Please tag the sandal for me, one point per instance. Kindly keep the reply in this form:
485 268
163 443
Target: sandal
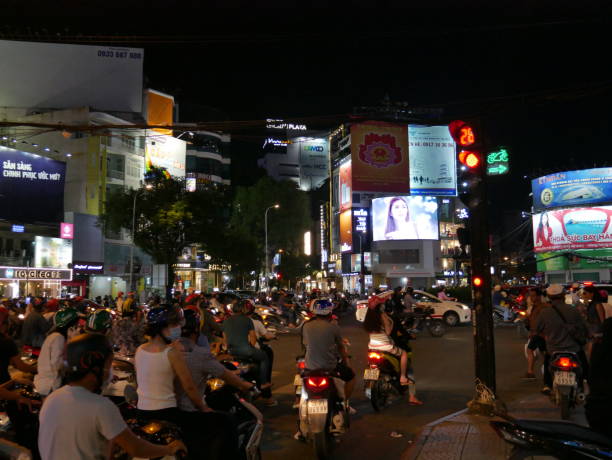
415 403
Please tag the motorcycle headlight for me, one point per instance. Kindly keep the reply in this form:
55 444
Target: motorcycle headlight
152 428
215 384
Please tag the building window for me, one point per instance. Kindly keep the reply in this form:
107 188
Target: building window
115 166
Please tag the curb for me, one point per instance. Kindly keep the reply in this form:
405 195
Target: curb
413 451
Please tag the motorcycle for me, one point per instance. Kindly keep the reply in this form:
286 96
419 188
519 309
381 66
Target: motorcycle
222 397
25 432
382 378
153 431
300 364
567 375
558 439
423 318
124 374
323 411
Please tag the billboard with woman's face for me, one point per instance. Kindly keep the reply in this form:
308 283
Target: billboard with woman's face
405 218
574 228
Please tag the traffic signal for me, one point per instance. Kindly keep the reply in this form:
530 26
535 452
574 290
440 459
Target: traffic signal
471 162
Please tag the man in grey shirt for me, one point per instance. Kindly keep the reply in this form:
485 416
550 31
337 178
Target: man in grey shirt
560 324
324 345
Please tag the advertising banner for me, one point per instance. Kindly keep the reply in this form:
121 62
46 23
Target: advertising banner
361 224
62 76
52 252
159 110
594 259
405 218
574 228
167 153
346 237
31 187
313 159
346 192
379 153
571 188
432 154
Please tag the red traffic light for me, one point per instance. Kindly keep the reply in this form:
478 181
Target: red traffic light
462 133
469 159
477 281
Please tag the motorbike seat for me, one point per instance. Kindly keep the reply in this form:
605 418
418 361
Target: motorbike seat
561 428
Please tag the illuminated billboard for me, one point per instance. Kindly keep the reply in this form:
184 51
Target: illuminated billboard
346 229
379 153
573 228
433 170
345 192
405 218
52 252
31 187
572 188
166 153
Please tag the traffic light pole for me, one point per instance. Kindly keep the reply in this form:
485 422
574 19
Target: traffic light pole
484 401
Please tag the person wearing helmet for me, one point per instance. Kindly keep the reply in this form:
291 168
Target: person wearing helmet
51 359
325 349
158 364
240 339
99 321
261 333
212 434
90 423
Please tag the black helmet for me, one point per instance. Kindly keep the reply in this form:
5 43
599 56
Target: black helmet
192 321
160 317
87 353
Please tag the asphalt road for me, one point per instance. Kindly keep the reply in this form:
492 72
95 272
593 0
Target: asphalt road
444 371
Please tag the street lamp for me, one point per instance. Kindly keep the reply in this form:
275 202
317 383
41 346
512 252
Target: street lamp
276 206
148 187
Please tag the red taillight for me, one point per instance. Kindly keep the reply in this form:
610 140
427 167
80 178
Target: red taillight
519 299
374 356
588 283
565 363
317 383
301 364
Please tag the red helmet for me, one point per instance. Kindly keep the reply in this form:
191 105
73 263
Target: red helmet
377 299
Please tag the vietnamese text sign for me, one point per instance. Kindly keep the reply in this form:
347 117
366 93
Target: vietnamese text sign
574 228
31 187
35 274
379 153
345 192
166 153
433 168
571 188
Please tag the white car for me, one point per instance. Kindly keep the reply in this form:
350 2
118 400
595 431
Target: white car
452 312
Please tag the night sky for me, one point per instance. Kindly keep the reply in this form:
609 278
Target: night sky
537 72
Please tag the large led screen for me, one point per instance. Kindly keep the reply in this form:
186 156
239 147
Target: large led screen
574 228
405 218
31 187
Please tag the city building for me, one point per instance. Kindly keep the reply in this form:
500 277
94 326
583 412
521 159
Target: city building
293 152
208 159
393 215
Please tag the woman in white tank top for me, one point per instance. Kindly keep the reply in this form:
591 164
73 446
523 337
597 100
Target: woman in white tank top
158 363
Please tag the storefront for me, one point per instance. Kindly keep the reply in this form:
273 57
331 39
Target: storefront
199 276
22 281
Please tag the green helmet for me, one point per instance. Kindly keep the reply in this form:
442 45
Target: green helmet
66 317
100 320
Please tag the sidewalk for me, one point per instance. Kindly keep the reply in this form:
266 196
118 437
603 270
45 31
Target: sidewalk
463 436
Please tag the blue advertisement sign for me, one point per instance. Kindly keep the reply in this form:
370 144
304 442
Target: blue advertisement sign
571 188
31 187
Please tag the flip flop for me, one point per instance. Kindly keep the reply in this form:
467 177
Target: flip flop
414 403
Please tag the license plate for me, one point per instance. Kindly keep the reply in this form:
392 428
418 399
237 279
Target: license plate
565 378
317 406
371 374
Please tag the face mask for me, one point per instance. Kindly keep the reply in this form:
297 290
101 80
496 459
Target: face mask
174 333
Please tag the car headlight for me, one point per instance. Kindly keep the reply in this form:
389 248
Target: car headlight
464 307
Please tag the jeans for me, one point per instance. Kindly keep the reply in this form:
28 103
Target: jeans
263 364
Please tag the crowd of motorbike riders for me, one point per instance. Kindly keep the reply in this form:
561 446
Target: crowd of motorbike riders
176 344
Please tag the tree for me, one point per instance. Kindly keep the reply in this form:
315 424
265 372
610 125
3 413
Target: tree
286 225
168 218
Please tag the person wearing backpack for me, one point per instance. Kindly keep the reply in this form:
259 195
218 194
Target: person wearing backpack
563 328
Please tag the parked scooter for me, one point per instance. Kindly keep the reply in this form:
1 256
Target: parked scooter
558 439
323 412
567 373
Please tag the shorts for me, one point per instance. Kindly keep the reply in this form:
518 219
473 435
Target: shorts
345 373
537 343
